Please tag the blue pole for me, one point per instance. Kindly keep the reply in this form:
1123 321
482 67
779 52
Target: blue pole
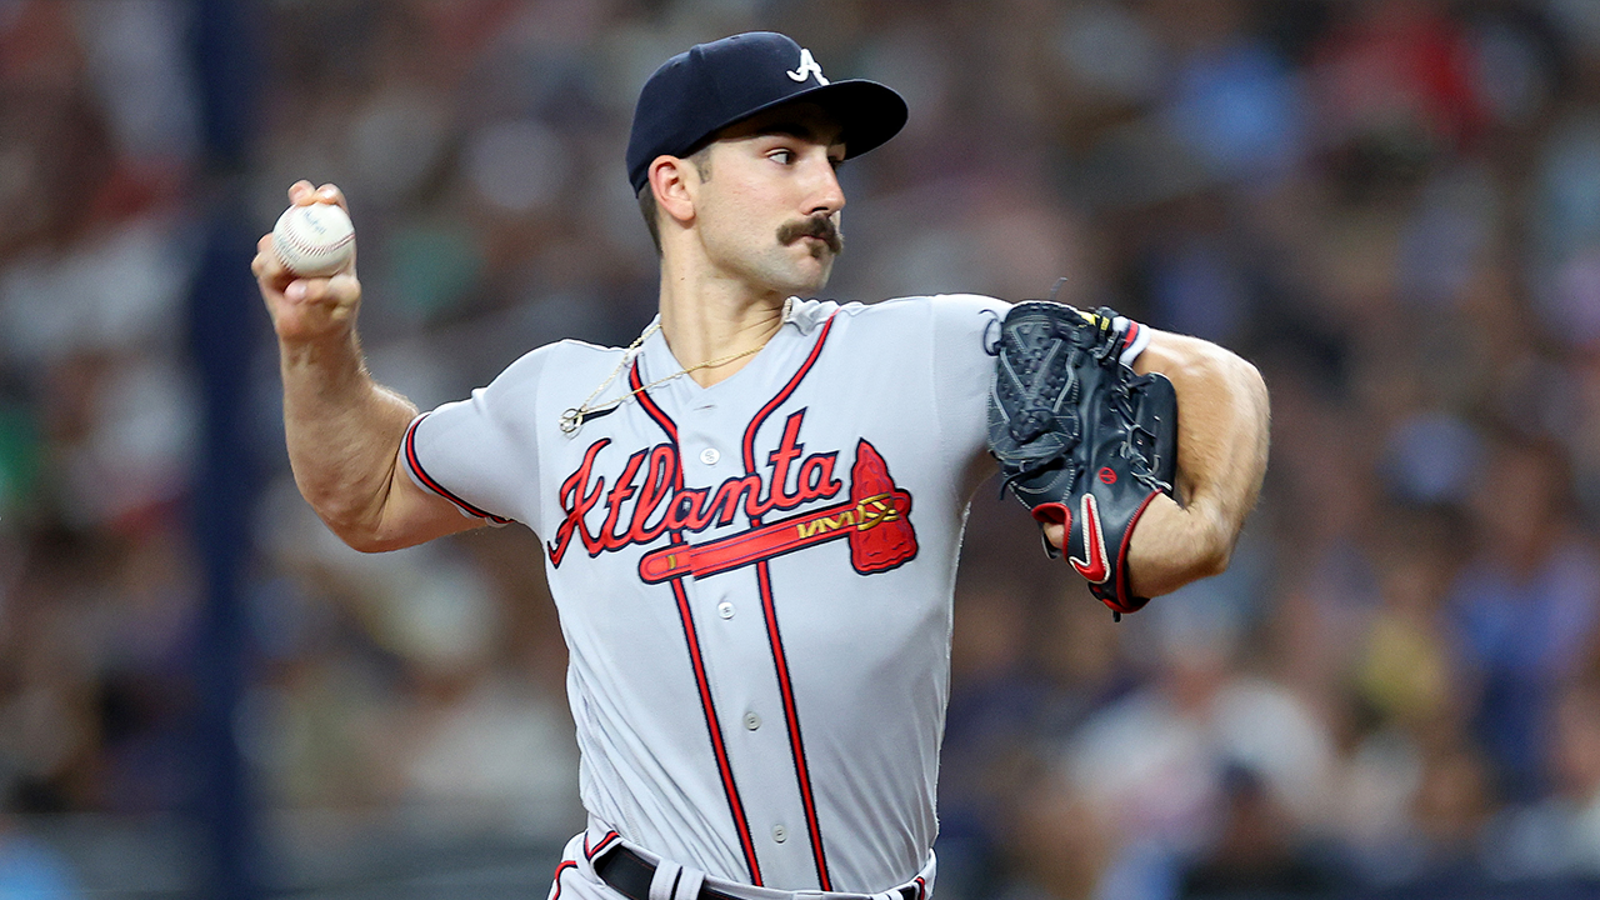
225 318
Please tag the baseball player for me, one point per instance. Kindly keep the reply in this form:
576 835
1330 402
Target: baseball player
752 513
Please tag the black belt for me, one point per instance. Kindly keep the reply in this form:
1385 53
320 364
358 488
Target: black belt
631 875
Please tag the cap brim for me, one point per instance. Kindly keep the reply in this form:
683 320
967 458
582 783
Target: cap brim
868 113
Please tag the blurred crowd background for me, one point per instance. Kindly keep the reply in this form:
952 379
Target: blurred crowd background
1392 207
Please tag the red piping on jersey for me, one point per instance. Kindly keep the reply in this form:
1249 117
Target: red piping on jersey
782 395
719 747
713 726
436 487
661 418
791 715
780 660
563 866
604 843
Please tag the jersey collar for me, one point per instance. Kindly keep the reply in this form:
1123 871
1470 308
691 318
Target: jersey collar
805 315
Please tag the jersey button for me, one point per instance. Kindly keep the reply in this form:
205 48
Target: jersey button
752 721
725 609
709 456
779 833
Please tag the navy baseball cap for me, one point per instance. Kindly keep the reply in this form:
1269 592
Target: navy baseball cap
711 86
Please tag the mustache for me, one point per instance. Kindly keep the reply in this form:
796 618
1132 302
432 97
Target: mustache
820 227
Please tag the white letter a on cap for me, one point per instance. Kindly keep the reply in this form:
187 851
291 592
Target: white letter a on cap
808 67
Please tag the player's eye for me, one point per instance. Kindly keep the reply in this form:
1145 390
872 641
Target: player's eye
782 157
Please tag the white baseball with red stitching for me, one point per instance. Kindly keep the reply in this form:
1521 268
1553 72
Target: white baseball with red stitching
314 241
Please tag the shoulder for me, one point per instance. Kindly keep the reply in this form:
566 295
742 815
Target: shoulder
562 359
940 311
571 352
934 305
947 325
952 323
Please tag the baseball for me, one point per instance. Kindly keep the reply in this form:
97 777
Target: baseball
314 241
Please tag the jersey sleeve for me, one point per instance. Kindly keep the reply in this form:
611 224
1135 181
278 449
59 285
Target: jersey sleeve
482 453
966 328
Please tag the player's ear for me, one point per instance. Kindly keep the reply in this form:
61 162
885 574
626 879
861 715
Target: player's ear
673 180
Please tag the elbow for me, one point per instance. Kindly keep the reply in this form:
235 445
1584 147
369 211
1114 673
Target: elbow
1221 537
388 526
1205 550
366 542
1233 376
1185 548
360 529
1255 389
1213 560
369 535
358 518
356 535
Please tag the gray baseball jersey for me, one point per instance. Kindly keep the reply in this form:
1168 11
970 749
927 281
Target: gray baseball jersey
754 579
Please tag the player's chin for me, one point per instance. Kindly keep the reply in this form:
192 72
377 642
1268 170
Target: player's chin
795 272
810 287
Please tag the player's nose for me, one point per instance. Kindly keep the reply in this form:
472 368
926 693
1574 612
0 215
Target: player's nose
827 195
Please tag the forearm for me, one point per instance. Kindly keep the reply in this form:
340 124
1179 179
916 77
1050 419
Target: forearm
1223 433
343 432
343 429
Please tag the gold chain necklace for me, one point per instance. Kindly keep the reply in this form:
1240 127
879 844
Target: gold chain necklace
572 419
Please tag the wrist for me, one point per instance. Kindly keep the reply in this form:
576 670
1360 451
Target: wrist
328 354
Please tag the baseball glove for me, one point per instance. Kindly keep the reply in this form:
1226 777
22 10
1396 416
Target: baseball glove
1082 441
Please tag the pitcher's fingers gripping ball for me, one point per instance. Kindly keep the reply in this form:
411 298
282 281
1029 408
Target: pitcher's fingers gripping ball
314 241
1081 439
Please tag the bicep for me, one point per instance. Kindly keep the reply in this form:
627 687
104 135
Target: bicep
1223 421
